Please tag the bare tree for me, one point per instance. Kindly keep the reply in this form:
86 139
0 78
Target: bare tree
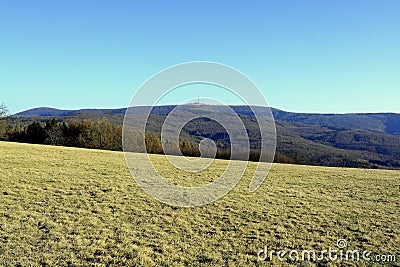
3 122
3 111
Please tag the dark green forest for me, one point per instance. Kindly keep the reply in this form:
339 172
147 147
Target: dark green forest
86 134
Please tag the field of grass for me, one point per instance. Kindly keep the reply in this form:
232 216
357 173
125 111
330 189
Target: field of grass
68 206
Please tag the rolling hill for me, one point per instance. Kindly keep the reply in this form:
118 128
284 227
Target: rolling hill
381 122
347 140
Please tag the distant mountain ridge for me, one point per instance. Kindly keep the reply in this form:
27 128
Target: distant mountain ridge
53 112
380 122
366 140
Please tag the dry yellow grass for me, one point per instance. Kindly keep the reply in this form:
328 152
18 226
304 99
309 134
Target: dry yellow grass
67 206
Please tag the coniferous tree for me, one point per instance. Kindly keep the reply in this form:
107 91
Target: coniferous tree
36 133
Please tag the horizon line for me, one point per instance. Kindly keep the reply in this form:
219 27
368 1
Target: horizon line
197 103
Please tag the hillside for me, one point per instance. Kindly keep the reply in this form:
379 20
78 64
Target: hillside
64 206
314 139
52 112
381 122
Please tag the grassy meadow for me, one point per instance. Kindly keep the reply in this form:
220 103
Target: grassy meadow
67 206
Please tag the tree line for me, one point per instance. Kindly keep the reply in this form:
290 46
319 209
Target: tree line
85 134
101 134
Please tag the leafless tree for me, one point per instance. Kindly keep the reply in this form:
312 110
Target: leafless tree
3 111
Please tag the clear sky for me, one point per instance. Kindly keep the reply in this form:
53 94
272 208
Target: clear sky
307 56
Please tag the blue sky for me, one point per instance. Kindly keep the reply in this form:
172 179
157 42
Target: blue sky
306 56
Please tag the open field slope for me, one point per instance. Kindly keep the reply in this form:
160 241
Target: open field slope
68 206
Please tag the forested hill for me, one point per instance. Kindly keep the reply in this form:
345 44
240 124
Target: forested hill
381 122
347 140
